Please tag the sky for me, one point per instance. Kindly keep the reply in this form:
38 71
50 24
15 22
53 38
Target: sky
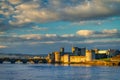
44 26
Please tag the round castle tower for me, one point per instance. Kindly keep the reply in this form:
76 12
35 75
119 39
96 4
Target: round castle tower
90 55
57 56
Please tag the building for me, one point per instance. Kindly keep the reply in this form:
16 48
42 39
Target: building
106 53
78 51
90 55
77 55
113 52
51 58
101 53
57 56
62 50
65 58
77 59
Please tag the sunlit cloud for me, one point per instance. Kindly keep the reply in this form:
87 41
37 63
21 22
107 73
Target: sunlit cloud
50 35
2 33
42 23
31 36
113 31
39 28
46 42
68 35
15 1
6 10
35 11
85 32
2 46
101 34
81 35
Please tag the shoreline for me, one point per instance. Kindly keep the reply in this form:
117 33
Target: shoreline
92 63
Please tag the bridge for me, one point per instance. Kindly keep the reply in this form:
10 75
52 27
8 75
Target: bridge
23 60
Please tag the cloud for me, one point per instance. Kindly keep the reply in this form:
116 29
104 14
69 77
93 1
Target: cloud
5 9
91 39
85 32
2 46
94 22
39 28
32 12
113 31
23 13
2 33
27 6
99 34
68 35
107 40
94 9
51 35
38 37
31 36
85 36
57 10
47 42
15 1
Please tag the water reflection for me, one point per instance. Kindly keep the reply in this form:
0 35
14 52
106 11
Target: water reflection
75 65
57 72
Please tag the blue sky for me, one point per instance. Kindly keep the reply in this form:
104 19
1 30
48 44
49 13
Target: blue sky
43 26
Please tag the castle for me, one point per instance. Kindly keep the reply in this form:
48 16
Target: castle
77 55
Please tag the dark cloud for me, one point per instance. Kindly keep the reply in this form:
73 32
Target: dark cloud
53 10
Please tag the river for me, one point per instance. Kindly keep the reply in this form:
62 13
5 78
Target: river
57 72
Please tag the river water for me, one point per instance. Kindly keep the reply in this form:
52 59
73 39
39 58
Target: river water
57 72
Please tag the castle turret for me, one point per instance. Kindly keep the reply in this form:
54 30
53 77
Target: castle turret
76 50
90 55
62 51
51 58
57 57
83 51
73 49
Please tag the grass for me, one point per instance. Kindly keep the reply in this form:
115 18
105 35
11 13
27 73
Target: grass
105 59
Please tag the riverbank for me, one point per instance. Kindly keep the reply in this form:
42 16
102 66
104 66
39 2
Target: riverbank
96 63
104 63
